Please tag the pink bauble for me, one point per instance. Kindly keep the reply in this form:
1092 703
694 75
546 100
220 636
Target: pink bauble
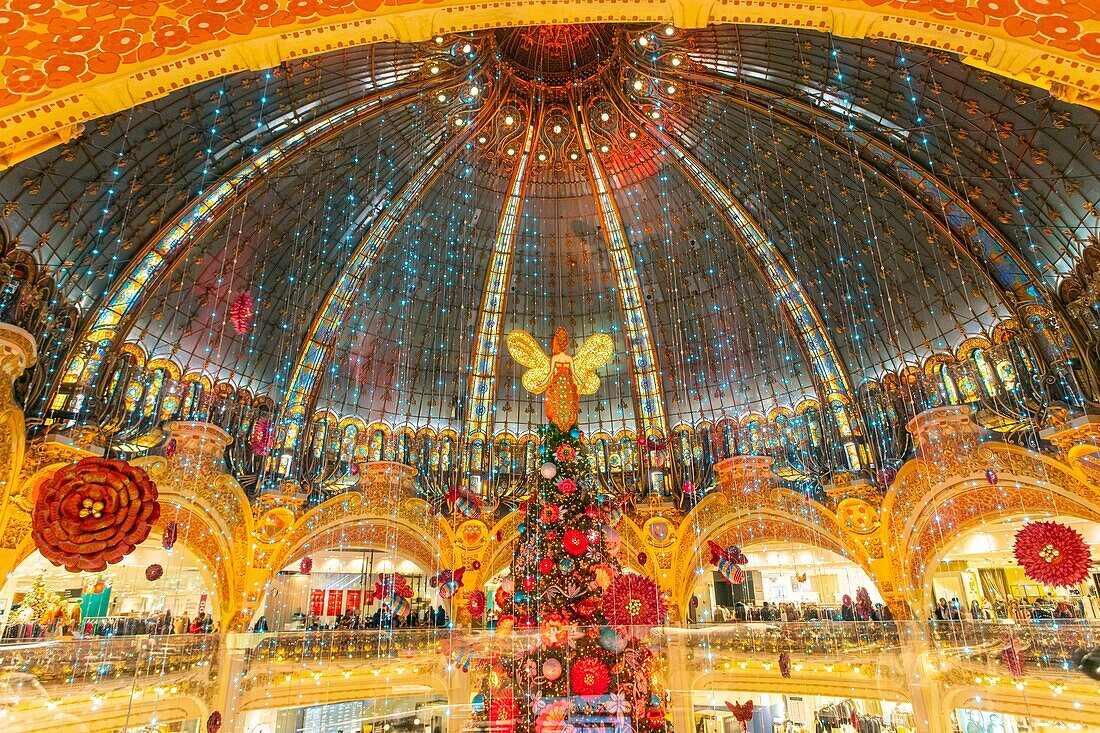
551 669
508 584
548 470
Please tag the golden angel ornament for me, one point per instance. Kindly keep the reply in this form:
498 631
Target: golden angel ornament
562 377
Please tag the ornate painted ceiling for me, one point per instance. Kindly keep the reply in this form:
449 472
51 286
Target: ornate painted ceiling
758 216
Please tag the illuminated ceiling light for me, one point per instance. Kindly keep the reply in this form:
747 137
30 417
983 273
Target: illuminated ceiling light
511 151
435 69
509 120
643 41
573 156
439 39
633 134
669 30
542 157
482 139
604 148
655 115
604 116
671 89
557 129
474 91
676 61
459 122
442 97
467 48
638 84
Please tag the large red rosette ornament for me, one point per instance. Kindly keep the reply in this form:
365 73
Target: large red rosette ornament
476 603
589 676
633 602
92 513
503 712
1052 554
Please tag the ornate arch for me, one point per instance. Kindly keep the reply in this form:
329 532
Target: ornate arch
43 104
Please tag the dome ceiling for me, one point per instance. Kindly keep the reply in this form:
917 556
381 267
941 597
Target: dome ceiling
369 248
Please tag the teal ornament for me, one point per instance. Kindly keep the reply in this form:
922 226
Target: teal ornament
520 597
567 565
611 640
575 434
478 703
522 529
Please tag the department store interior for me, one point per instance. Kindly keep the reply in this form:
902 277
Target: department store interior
515 367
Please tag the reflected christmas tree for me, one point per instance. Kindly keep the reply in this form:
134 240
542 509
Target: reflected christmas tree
571 651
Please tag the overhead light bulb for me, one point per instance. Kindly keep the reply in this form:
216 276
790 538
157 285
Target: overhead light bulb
643 41
676 61
655 114
604 148
442 97
542 157
669 30
482 139
439 39
557 129
671 89
605 117
474 91
467 48
459 122
509 120
633 134
435 69
573 156
511 151
638 84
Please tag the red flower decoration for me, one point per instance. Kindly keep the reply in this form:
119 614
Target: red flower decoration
589 677
92 513
305 567
503 711
633 601
565 453
214 722
586 608
241 312
153 572
546 566
476 602
1052 554
550 513
785 664
567 486
574 542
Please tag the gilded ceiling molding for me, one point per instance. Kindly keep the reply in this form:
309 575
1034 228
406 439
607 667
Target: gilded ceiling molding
778 277
319 343
1015 279
170 246
42 95
643 355
482 387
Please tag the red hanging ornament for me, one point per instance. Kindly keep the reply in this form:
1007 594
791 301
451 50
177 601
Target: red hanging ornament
1052 554
785 664
1013 659
168 539
241 312
642 558
305 567
262 437
93 512
991 476
170 448
214 722
475 565
153 572
742 712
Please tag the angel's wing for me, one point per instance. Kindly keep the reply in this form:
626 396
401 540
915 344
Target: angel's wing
592 355
527 352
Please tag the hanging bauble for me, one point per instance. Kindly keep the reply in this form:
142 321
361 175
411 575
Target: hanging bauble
305 567
785 664
153 572
548 470
551 669
521 529
214 722
575 434
546 566
263 436
642 558
1052 554
991 476
528 582
689 488
612 640
476 603
478 703
241 311
170 447
567 565
168 539
567 486
92 513
475 565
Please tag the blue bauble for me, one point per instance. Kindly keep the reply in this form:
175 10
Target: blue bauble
575 433
478 703
522 529
520 597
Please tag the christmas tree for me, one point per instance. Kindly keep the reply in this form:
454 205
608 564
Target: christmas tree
37 601
588 667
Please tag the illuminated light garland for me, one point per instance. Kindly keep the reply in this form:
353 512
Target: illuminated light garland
487 339
647 383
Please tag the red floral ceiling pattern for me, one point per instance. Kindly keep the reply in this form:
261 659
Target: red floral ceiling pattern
48 45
